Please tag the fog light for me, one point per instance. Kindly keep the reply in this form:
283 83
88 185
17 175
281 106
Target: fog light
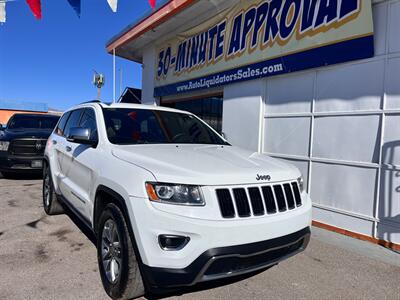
172 242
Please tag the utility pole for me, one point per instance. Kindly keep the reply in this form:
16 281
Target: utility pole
120 82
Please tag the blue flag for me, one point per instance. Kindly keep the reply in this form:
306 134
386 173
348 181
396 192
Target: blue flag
76 5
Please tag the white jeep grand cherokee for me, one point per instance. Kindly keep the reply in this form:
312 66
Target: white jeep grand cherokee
171 202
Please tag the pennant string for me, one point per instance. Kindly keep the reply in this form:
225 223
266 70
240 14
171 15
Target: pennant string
76 5
2 12
36 8
113 5
152 3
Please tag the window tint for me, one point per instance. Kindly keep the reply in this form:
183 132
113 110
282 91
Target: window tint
61 124
73 121
142 126
88 120
48 123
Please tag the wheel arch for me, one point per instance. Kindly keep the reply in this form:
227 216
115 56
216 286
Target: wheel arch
105 195
46 161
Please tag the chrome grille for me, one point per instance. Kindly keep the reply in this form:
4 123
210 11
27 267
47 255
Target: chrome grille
245 202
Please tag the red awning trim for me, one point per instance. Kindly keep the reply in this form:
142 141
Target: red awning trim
169 10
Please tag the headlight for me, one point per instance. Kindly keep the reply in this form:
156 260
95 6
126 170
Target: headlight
4 145
300 181
175 194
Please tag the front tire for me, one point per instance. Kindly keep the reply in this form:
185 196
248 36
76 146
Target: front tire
118 265
51 204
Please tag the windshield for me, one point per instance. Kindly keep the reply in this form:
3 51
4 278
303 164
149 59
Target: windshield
32 122
142 126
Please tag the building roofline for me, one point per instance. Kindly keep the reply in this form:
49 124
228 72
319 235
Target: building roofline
166 10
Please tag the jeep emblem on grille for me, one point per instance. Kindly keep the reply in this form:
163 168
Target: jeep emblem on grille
38 145
263 177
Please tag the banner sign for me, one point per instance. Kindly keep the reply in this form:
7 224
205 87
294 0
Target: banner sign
261 38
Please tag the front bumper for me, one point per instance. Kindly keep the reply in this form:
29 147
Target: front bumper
224 262
11 163
149 220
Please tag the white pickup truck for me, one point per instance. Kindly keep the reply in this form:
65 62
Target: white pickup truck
171 202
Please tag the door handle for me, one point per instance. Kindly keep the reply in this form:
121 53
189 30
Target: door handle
68 148
54 142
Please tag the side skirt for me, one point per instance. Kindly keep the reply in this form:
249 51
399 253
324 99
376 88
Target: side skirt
81 217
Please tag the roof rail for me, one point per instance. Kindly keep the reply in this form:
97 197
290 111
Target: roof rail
91 101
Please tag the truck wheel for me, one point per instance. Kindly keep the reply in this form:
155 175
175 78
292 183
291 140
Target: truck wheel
51 204
118 265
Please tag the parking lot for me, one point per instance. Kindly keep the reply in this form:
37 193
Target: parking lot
44 257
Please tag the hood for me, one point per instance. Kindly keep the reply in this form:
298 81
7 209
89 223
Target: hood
10 134
205 164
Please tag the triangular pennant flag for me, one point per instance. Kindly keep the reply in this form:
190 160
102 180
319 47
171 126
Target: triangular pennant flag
36 8
152 3
113 4
76 5
2 12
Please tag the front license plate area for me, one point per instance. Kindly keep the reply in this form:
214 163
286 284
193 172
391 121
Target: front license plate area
37 164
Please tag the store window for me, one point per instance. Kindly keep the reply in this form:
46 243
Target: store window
208 109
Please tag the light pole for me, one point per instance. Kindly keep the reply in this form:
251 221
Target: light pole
98 81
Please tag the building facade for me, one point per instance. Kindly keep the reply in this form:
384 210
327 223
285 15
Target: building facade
332 107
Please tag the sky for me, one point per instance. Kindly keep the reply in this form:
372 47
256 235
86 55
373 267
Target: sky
52 60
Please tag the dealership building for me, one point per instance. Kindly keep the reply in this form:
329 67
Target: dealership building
312 82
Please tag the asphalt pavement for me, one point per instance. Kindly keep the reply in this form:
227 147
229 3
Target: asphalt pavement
44 257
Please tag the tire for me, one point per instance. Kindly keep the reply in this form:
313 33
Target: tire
126 281
51 204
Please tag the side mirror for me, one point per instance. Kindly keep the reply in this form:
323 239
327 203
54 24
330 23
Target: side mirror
80 135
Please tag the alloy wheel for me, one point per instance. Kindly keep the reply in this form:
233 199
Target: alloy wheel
111 251
46 190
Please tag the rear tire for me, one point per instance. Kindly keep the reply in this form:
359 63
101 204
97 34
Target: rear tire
118 264
51 204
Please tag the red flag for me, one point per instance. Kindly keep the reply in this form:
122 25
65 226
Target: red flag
36 8
152 3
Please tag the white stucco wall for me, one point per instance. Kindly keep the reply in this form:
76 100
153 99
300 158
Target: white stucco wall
340 125
242 107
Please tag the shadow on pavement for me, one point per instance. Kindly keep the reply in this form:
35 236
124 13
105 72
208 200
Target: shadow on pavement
82 226
23 176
